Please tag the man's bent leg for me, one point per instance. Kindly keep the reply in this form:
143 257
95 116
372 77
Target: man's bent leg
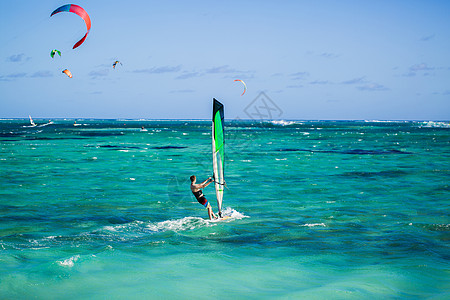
210 212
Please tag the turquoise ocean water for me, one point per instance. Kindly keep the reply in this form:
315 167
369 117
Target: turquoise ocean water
319 210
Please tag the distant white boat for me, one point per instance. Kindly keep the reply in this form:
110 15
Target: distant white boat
31 122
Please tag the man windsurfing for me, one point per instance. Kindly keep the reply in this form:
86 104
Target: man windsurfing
196 190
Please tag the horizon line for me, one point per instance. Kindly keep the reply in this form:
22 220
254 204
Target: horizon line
208 119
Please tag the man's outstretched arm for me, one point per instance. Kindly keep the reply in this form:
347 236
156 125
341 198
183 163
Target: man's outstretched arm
206 182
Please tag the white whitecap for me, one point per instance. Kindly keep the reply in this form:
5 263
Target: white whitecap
314 225
234 214
436 124
69 262
284 123
186 223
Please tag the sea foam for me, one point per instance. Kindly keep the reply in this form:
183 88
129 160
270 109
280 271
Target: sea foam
68 262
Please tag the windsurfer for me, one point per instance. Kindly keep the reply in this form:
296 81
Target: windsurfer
196 190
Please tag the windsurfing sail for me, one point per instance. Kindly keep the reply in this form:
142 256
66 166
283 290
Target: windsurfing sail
218 143
31 121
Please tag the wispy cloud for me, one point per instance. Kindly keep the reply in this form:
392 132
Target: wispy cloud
230 72
160 70
323 82
12 76
329 55
17 58
17 75
358 80
299 75
363 84
187 75
99 73
243 76
42 74
416 69
420 67
222 70
372 87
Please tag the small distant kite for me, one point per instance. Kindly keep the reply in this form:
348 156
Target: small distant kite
54 51
79 11
245 86
115 64
68 73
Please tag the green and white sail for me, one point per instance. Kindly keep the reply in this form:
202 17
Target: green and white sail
218 143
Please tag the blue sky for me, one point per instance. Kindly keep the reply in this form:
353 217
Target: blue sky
384 60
